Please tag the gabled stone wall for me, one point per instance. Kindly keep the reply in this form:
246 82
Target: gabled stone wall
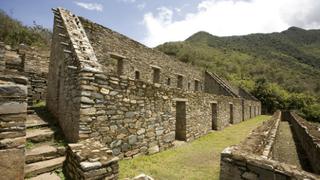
137 57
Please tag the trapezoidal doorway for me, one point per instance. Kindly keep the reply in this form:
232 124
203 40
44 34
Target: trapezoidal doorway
181 133
214 116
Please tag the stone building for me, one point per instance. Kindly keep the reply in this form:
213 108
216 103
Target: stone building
134 99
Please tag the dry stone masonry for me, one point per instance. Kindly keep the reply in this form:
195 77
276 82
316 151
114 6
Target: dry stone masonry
254 158
13 111
132 99
90 160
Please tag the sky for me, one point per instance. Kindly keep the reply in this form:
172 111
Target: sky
153 22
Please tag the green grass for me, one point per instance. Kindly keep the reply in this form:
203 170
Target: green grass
199 159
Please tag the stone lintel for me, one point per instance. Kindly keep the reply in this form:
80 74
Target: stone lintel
117 56
181 99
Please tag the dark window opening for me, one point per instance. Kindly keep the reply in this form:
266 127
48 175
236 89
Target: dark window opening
180 81
189 85
156 75
120 67
168 81
137 75
196 85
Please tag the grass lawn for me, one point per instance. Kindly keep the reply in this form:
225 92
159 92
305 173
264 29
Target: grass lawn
199 159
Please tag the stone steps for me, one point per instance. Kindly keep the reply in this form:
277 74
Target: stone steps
41 167
46 176
43 152
39 135
34 120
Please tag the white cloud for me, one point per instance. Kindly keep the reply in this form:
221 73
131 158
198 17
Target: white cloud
141 6
128 1
231 17
90 6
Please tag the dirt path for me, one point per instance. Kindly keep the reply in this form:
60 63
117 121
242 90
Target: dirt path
285 149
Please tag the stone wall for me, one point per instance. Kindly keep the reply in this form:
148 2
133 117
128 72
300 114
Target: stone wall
32 62
309 136
136 117
252 159
13 109
237 165
35 63
63 98
2 61
131 116
90 160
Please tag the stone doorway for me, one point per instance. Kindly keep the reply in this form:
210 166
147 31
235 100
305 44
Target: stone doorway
214 115
231 113
181 133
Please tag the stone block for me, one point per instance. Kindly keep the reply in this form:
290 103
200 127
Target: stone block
153 149
132 139
12 164
13 90
169 137
13 107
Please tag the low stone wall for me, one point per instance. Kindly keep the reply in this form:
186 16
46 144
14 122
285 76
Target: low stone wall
90 160
237 165
252 159
309 137
13 109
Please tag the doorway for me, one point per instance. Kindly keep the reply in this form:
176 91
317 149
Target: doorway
181 121
214 114
231 113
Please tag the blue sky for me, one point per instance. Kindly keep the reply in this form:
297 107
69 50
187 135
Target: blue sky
153 22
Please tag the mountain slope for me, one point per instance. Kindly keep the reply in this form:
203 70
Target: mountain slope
290 58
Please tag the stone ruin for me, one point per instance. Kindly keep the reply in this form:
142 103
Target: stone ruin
136 100
114 98
264 154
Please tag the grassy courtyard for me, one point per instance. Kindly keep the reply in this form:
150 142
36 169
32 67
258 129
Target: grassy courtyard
199 159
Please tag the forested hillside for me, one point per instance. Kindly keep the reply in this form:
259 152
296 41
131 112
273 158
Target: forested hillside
12 32
281 69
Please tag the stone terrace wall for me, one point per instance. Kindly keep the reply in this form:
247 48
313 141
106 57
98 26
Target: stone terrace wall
13 111
237 165
138 58
252 158
309 137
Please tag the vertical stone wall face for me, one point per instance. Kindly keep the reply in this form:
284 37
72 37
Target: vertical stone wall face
90 160
35 64
63 99
308 136
13 111
252 159
2 61
134 117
